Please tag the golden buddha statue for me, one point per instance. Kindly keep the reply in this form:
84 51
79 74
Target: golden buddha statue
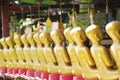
20 55
33 52
40 54
83 54
12 52
3 67
113 30
27 53
100 54
61 54
71 51
7 56
48 53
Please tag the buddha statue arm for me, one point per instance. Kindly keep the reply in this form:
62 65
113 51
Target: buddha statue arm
13 53
65 56
106 57
53 56
89 57
21 55
2 55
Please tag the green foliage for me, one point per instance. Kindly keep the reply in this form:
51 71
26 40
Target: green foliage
48 2
82 19
100 19
41 1
29 1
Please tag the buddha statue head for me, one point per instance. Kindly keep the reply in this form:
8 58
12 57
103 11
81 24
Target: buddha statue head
67 34
113 30
3 42
94 33
30 38
57 36
24 39
10 41
45 38
17 40
78 35
37 39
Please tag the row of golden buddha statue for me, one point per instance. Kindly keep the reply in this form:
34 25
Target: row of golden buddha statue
32 56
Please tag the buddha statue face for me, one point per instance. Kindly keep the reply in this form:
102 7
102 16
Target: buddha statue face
10 41
67 34
57 36
113 30
45 38
30 38
78 35
37 39
17 39
94 33
24 39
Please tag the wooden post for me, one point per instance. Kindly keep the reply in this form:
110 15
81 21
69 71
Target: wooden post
5 18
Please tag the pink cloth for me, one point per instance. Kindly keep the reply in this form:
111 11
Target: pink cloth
22 71
66 77
78 78
54 76
37 74
30 73
15 71
10 71
3 70
44 75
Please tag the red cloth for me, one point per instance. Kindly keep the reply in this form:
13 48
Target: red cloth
54 76
30 73
10 71
44 75
15 71
22 71
3 70
78 78
66 77
37 74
